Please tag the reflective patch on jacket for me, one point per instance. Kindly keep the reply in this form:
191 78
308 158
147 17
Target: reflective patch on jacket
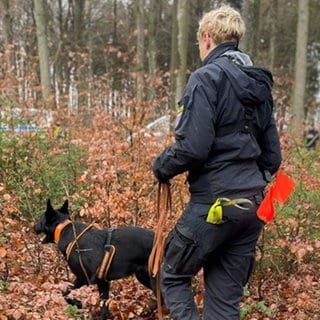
179 115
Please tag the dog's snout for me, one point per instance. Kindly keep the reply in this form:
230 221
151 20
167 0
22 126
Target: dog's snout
37 228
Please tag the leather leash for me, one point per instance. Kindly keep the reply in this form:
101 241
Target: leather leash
156 255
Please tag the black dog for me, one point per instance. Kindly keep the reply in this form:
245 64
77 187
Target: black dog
131 245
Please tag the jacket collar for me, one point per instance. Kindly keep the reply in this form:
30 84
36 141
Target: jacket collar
219 50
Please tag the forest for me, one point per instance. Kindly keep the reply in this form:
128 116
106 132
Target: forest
88 97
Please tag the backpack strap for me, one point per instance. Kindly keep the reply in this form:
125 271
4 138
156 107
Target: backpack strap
248 124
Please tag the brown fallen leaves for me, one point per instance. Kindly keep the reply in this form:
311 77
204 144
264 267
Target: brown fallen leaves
34 275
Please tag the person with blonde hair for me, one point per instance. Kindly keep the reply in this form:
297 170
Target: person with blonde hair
227 141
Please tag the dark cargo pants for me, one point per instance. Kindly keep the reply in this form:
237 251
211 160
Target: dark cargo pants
225 251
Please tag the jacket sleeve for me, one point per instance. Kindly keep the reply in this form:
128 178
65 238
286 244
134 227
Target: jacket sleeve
270 158
194 132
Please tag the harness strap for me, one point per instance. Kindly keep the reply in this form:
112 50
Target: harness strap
107 259
104 267
246 125
109 236
110 250
75 240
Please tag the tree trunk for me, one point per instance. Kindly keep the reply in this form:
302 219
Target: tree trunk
251 13
183 31
140 48
79 37
245 12
41 22
173 55
7 31
78 21
273 32
300 66
7 21
152 48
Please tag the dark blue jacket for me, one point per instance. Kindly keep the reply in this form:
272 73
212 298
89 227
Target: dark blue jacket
222 158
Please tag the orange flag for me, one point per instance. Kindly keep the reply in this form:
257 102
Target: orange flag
280 191
283 187
266 209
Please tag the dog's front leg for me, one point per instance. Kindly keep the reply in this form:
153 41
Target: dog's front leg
69 288
103 287
65 293
75 285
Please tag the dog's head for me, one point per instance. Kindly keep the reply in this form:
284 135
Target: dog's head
50 219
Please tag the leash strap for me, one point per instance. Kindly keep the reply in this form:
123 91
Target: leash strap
156 255
163 204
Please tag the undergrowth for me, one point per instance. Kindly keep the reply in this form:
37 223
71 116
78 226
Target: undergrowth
112 181
35 167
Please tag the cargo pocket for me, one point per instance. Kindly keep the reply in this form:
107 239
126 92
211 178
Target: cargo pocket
182 254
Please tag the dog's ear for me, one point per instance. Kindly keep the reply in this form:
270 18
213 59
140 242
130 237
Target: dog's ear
50 211
64 209
49 206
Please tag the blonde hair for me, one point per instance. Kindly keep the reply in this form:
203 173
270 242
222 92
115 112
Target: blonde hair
223 24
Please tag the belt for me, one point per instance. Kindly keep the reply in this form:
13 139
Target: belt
258 197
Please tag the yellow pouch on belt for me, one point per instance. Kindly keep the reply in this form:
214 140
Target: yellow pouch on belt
215 213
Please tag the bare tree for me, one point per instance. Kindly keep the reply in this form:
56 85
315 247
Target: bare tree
152 44
7 21
41 22
140 48
251 13
183 32
173 54
78 20
273 32
154 11
102 45
300 65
